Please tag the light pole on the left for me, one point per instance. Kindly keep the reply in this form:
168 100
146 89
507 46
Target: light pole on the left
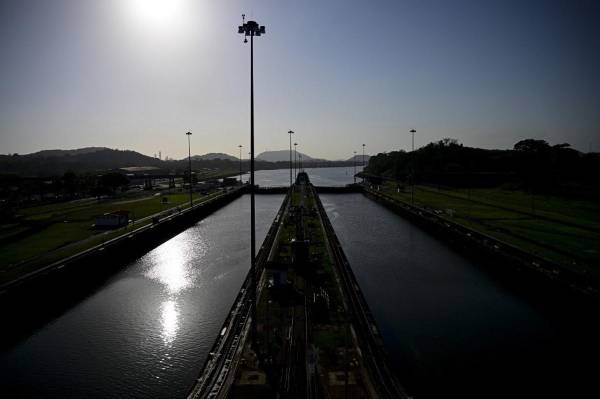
251 28
290 133
240 147
189 134
295 159
412 167
363 163
354 158
363 159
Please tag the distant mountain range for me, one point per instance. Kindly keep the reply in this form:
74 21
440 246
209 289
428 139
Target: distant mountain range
101 159
57 162
274 156
284 156
62 153
359 158
214 155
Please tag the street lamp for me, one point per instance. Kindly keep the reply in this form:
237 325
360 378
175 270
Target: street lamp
363 157
189 134
251 28
412 174
240 147
354 159
295 160
363 163
290 133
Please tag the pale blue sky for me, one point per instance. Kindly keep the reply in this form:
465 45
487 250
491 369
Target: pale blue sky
136 74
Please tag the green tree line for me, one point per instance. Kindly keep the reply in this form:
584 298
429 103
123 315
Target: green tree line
531 164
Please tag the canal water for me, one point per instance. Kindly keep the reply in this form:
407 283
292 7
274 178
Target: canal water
338 176
148 330
454 329
451 327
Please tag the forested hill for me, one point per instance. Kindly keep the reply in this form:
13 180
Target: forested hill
57 162
531 163
100 160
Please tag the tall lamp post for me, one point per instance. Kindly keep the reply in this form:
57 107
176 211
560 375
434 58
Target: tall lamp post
354 159
290 133
363 163
295 159
189 134
412 174
240 147
251 28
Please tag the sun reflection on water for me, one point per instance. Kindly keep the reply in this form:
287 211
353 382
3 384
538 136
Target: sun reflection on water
171 266
170 320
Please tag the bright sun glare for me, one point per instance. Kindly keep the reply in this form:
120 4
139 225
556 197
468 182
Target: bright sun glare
158 14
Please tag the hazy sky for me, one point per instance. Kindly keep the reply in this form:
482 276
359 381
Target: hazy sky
138 74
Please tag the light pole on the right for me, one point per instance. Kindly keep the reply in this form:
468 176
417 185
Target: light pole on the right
412 173
240 147
363 163
354 159
290 133
295 159
189 134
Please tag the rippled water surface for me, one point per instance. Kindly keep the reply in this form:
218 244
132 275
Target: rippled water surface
454 330
148 330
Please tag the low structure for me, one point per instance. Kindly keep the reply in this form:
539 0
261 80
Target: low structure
229 181
112 220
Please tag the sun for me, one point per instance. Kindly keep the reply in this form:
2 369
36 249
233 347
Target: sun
157 14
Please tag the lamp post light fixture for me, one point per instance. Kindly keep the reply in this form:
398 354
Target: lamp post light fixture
363 157
251 28
354 159
412 173
189 134
290 133
295 159
363 163
240 147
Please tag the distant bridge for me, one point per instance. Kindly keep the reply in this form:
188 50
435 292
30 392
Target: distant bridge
350 188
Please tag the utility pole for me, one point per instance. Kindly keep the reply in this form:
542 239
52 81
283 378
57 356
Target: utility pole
290 133
295 159
251 28
412 173
354 159
363 163
363 157
189 134
240 147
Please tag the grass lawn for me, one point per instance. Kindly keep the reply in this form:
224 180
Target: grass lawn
562 230
67 228
583 213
